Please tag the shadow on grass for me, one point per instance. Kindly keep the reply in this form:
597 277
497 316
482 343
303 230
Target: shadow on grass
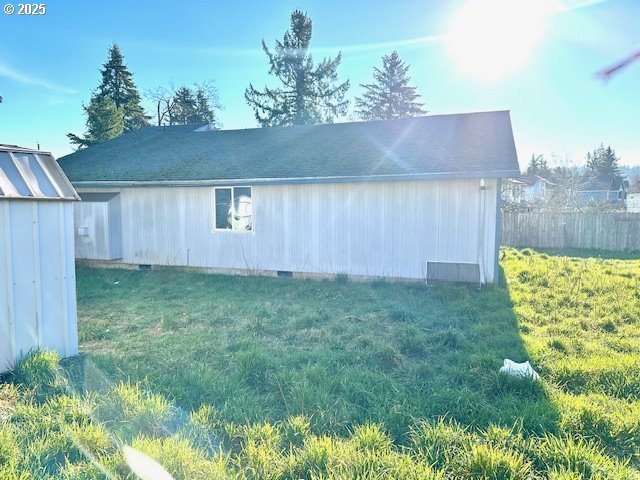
343 354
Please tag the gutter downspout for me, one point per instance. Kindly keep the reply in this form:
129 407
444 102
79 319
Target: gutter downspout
481 227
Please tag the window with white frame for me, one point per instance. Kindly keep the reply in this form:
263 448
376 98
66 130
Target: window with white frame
233 209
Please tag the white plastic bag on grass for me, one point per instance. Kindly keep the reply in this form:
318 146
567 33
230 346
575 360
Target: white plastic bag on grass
515 369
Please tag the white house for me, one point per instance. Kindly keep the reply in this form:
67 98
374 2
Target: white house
525 189
37 268
410 199
535 187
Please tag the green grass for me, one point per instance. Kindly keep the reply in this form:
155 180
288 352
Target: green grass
343 353
235 377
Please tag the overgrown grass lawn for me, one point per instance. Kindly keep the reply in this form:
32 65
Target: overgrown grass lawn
219 376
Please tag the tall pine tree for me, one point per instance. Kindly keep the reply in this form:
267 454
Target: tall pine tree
205 105
184 109
104 122
187 106
114 107
308 94
117 84
390 96
538 166
603 161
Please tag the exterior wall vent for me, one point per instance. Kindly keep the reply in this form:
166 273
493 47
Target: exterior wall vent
460 272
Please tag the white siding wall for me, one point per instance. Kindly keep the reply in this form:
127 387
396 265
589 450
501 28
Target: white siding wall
375 229
37 279
100 220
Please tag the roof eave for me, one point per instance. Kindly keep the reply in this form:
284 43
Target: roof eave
11 148
295 180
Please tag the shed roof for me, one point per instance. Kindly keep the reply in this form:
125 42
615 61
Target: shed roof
473 145
27 174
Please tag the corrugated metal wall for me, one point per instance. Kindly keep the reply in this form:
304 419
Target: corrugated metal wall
37 279
374 229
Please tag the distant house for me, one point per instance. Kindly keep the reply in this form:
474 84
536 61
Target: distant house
525 189
602 189
415 198
535 187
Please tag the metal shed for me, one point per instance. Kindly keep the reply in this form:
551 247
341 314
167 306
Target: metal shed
37 271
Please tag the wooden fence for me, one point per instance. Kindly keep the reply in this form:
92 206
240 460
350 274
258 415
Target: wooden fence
602 231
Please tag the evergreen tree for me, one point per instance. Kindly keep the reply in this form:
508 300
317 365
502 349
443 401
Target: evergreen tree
104 121
204 111
390 96
538 166
308 94
117 84
114 107
603 161
184 107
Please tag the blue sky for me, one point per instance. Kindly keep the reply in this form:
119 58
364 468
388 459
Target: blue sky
50 64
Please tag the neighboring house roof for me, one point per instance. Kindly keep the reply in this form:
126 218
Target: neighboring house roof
27 174
473 145
531 180
591 183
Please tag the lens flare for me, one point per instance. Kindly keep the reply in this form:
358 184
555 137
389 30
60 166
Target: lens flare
491 38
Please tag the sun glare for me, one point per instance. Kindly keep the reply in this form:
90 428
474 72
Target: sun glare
490 38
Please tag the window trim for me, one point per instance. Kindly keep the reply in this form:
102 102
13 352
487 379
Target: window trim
215 222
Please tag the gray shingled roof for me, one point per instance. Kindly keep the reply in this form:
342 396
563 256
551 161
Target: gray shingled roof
462 145
601 182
